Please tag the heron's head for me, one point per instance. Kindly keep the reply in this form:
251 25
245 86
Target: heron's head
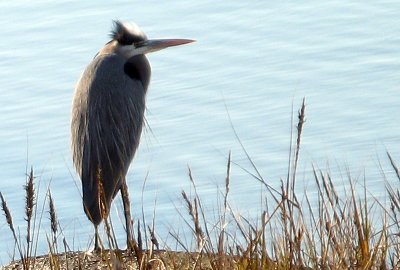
128 40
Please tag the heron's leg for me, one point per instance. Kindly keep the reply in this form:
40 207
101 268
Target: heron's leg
127 212
96 238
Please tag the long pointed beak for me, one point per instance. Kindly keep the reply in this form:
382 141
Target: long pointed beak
153 45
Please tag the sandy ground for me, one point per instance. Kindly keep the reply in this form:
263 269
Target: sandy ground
107 259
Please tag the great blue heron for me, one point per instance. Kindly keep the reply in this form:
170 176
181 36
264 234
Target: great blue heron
107 118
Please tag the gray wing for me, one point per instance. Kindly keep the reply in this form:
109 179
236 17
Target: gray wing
107 120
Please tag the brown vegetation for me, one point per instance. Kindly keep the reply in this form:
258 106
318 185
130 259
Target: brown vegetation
334 231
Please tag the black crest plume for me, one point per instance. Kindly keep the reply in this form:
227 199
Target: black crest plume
127 34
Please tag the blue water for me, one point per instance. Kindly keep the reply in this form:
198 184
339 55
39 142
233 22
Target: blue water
251 61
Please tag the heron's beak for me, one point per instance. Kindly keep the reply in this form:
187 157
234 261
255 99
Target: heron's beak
153 45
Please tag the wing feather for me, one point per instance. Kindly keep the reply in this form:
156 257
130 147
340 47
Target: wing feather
107 120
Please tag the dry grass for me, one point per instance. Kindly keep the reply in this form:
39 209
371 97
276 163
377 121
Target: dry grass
332 230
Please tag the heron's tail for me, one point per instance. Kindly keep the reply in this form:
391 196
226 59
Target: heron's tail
99 189
96 203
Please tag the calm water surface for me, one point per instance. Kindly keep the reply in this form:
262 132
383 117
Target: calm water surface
252 59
